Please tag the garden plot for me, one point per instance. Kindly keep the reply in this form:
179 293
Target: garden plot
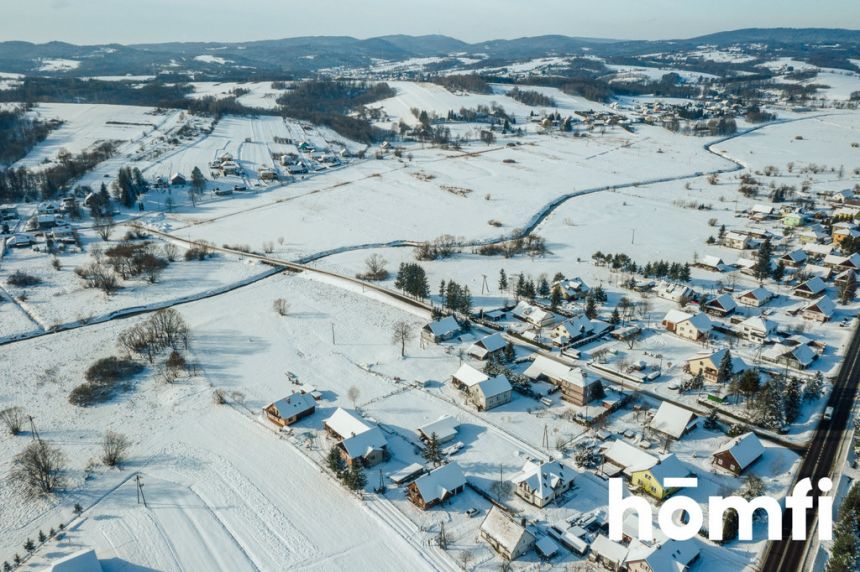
378 202
62 299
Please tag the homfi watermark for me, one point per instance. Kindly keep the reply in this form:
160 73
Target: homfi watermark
798 502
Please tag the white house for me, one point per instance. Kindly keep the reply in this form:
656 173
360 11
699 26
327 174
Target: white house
491 392
756 297
757 329
673 420
542 483
487 347
533 315
507 537
689 326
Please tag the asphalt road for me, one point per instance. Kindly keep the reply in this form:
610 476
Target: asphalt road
787 555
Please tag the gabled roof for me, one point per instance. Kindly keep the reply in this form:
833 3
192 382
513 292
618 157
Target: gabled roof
814 285
493 386
712 261
795 256
701 322
716 358
543 479
81 561
532 313
501 528
543 366
365 443
492 343
745 449
803 354
435 485
443 327
760 294
723 302
760 325
823 306
673 556
669 467
672 420
345 423
676 316
608 549
293 405
469 376
628 457
444 428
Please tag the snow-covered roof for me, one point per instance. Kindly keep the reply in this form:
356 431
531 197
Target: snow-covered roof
533 314
723 301
443 327
469 376
673 556
814 285
345 423
444 428
81 561
803 354
760 293
716 358
795 256
542 479
546 546
712 261
759 324
501 528
745 449
676 316
436 484
365 443
293 405
608 549
701 322
823 306
672 420
543 366
628 457
669 467
494 386
492 343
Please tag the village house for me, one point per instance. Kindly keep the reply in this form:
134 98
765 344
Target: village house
694 327
843 231
607 553
708 364
851 262
492 346
577 329
813 234
671 556
762 212
652 480
83 560
437 486
507 537
714 263
467 376
798 352
572 288
756 329
445 429
441 330
818 271
542 483
845 276
793 259
620 457
673 421
577 386
721 306
820 310
812 288
755 298
533 315
675 292
739 453
736 240
290 409
491 393
177 180
793 219
358 440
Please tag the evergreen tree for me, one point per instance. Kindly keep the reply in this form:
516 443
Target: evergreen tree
762 267
543 287
600 295
198 183
725 371
792 400
355 478
779 271
848 288
503 281
748 384
334 461
813 388
590 308
442 289
432 453
730 525
509 352
615 318
521 286
770 405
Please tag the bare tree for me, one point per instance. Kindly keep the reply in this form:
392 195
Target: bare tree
352 393
38 469
104 227
170 252
466 558
281 307
375 265
402 334
114 448
13 419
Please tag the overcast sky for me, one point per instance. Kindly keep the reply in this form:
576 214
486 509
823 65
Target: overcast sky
137 21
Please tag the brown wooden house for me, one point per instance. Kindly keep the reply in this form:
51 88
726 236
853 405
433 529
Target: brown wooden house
290 409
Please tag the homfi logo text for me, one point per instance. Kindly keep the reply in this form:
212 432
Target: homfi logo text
798 502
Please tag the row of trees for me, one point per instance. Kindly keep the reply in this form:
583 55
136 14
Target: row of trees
412 279
455 297
20 132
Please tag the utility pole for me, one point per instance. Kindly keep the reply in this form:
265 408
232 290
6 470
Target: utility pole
484 286
33 429
332 335
140 496
545 441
